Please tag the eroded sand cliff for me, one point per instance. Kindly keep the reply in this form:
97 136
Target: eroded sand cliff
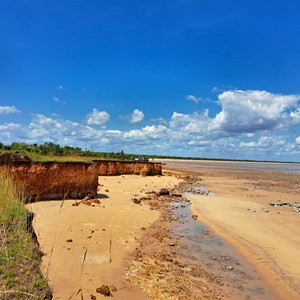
67 180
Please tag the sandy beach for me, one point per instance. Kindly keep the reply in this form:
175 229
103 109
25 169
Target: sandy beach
136 251
86 247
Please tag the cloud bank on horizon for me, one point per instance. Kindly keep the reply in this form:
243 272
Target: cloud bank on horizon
251 124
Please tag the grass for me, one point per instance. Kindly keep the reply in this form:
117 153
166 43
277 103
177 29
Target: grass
60 158
20 275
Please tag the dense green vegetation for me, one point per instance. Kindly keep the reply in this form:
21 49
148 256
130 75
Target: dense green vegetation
20 275
51 152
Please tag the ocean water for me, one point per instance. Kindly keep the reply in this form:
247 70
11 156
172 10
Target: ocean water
281 167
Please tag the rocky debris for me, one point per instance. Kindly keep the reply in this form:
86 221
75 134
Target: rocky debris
192 185
164 274
106 290
93 297
176 195
136 200
87 201
294 205
171 244
163 192
113 288
195 217
151 192
157 265
145 198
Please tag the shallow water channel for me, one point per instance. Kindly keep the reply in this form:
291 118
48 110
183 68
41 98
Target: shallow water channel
241 281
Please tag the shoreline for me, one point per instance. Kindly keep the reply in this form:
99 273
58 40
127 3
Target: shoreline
239 212
130 244
164 160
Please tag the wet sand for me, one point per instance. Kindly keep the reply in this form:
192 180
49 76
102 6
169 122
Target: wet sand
240 212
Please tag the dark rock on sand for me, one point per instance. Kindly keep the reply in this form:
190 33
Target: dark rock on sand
164 192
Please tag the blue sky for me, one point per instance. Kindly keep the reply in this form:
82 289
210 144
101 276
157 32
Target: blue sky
188 78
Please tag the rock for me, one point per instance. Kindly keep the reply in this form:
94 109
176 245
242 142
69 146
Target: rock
69 240
113 288
164 192
229 268
151 192
195 217
104 290
176 195
136 201
93 297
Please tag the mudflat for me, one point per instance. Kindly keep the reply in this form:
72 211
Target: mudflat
238 209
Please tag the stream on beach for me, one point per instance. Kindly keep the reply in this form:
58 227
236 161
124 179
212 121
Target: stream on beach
241 281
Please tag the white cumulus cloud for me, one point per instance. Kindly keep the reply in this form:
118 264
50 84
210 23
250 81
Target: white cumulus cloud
8 110
298 140
252 110
147 132
193 98
136 116
97 117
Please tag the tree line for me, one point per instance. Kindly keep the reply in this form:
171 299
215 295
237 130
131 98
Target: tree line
56 149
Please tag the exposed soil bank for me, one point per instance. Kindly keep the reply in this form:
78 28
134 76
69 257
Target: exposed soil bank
67 180
113 168
40 181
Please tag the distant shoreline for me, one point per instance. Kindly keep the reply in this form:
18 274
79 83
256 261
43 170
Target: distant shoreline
275 167
211 160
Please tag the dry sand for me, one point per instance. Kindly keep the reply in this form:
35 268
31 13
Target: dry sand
88 246
240 212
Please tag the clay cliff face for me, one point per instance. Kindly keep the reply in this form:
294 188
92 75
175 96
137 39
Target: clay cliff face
69 180
38 181
113 168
